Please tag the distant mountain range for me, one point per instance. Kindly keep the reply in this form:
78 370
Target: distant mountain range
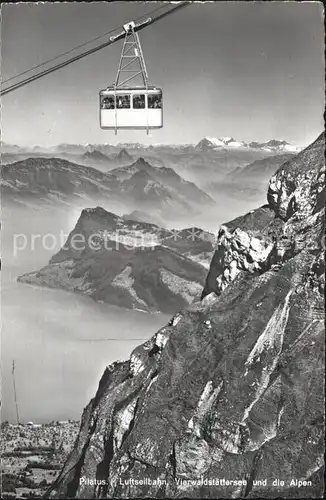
140 216
129 263
94 156
260 170
174 185
251 180
272 146
139 186
155 180
208 161
40 177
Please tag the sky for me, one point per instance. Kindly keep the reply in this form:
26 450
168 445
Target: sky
251 70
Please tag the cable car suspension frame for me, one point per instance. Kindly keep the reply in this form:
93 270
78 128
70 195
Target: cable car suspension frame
128 60
131 41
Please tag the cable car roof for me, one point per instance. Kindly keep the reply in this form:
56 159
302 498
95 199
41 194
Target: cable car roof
127 89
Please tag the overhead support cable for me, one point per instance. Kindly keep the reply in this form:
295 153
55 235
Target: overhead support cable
44 63
113 40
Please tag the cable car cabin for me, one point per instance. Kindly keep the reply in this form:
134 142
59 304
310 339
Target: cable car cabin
131 108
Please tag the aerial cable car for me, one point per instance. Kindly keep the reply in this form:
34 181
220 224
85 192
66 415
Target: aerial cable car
125 105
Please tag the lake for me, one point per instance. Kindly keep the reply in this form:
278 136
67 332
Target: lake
61 342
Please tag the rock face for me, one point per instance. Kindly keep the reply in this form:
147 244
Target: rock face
266 238
228 397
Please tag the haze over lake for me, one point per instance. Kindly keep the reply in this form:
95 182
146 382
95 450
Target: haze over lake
57 339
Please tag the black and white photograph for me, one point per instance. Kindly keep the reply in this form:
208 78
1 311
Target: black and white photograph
162 249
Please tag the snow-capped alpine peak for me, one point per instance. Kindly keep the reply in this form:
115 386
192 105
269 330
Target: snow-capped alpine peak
272 145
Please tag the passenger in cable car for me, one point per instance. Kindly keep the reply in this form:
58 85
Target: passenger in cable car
139 101
123 102
111 103
105 103
155 101
108 103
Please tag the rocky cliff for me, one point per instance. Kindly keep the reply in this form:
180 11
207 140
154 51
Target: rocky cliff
227 400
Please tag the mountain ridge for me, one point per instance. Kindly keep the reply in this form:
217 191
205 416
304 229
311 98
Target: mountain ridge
225 143
129 263
274 144
55 179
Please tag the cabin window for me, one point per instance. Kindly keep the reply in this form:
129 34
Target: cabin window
155 101
107 103
123 101
138 101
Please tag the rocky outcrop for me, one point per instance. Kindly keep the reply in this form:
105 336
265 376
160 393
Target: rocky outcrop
238 250
267 237
227 399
